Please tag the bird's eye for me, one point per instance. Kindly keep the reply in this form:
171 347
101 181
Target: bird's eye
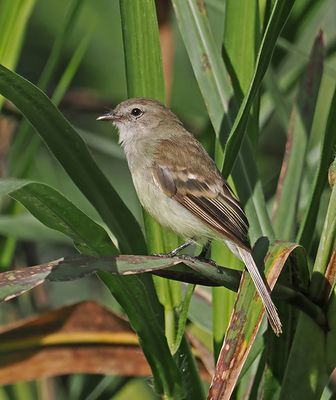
136 112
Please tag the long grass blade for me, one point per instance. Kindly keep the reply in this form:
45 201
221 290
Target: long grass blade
14 17
289 185
143 53
280 13
308 223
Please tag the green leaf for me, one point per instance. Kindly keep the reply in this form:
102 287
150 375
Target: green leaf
237 14
135 294
240 66
25 145
13 22
319 288
187 365
26 227
308 350
308 223
201 309
142 49
222 302
216 89
72 153
299 130
183 317
144 75
21 154
143 53
56 212
206 61
331 334
280 13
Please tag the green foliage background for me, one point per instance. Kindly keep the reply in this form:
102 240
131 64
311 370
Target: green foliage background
247 77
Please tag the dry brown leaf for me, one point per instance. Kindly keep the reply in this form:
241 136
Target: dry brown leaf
81 338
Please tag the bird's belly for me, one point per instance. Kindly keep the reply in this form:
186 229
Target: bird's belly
168 212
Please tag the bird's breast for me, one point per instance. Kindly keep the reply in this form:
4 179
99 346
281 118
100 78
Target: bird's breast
166 210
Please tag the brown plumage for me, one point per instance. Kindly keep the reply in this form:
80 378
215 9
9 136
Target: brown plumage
210 198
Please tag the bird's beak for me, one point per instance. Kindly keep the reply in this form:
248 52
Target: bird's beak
107 117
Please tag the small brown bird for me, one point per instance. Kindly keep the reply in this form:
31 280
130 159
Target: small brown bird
180 186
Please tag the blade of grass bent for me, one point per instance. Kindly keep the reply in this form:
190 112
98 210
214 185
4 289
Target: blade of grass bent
23 164
57 212
25 145
72 153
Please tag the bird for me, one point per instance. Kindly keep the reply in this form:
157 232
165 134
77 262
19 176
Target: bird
178 183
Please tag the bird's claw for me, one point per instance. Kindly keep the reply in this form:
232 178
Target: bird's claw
162 255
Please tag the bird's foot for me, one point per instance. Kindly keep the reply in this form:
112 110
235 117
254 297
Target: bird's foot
209 261
171 254
164 255
206 260
174 252
187 257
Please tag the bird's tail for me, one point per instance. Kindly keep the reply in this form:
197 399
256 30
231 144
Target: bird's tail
270 308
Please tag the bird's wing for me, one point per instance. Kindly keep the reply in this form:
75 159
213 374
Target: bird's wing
196 183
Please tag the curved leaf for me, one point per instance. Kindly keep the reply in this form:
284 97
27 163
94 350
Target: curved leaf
56 212
72 153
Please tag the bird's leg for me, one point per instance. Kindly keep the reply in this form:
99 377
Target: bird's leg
175 252
204 254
